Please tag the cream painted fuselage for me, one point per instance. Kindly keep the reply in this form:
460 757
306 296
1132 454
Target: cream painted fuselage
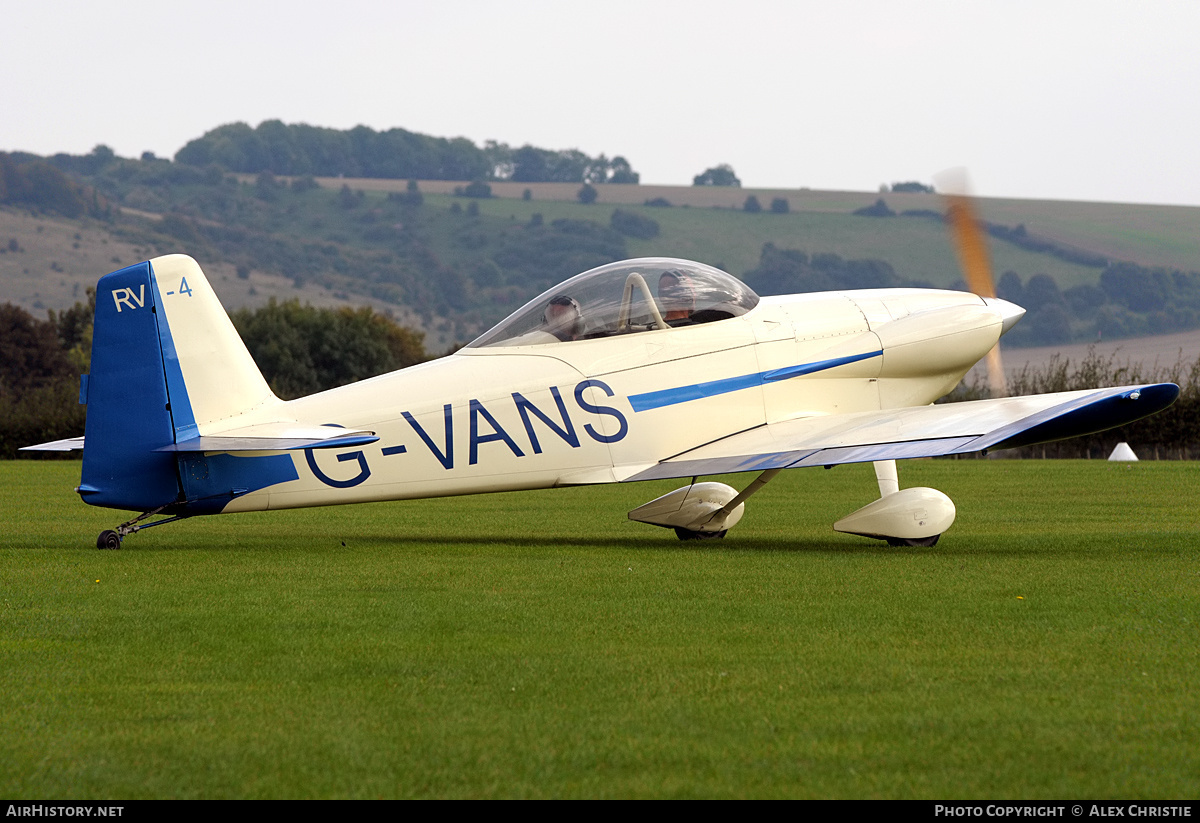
489 419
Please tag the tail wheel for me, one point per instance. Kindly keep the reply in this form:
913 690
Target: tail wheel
108 539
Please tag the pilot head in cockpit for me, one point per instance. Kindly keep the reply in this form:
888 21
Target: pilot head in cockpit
563 318
677 296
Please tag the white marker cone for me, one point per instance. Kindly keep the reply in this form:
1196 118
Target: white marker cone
1122 452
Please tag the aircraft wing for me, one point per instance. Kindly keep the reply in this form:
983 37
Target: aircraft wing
261 437
920 431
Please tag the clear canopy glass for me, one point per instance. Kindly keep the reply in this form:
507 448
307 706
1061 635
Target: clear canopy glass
623 298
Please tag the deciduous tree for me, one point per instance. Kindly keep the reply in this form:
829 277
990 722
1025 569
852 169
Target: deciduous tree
721 175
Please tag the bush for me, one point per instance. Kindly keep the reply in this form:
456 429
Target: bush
476 188
266 187
721 175
412 195
302 349
634 225
305 183
880 209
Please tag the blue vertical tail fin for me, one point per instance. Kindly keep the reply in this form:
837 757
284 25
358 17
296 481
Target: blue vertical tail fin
129 409
166 362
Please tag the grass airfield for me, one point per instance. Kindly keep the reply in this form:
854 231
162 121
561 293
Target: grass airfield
540 645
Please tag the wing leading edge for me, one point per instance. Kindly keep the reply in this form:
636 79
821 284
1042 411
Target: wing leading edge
922 431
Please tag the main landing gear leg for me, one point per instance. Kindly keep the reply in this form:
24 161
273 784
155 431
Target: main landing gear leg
112 538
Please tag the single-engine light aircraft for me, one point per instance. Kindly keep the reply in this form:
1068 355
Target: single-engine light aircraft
637 370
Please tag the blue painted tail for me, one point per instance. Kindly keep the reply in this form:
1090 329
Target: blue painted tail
129 409
166 363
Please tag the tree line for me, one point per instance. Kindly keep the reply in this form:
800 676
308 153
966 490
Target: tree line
31 182
1129 301
792 271
40 364
298 149
299 349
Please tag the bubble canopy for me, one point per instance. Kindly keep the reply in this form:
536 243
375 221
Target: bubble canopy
647 294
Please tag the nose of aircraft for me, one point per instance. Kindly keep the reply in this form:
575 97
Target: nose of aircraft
1010 313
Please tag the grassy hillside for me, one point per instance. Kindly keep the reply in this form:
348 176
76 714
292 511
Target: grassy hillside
58 259
453 265
918 249
1149 235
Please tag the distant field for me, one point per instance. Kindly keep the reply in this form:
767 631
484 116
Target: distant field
540 645
1147 234
919 249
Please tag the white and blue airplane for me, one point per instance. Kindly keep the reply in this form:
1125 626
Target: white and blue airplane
638 370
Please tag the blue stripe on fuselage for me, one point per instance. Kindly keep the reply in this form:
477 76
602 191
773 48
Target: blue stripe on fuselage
696 391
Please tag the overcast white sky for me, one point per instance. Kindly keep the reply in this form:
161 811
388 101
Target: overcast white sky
1074 99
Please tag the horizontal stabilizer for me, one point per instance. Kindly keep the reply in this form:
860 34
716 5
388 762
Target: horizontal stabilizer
922 431
297 439
274 437
70 444
266 444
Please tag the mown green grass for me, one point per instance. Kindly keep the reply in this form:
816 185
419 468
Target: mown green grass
539 645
